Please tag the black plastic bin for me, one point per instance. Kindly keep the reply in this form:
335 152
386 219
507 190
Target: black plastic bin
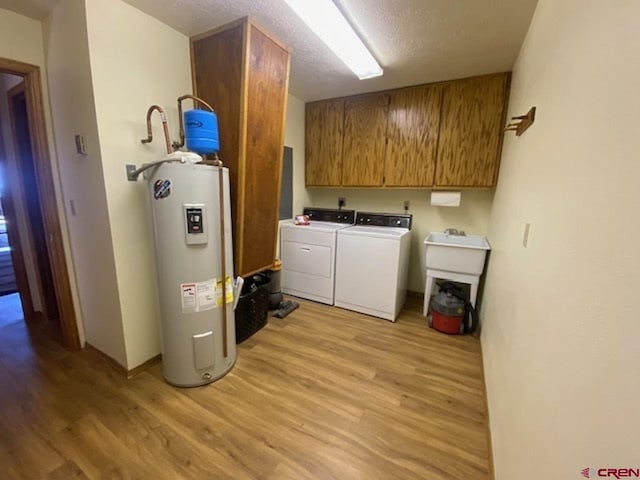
252 310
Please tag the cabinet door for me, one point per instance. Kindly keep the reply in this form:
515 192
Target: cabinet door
324 130
365 128
471 131
267 78
412 133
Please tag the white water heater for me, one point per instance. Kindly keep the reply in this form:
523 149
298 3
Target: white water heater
184 196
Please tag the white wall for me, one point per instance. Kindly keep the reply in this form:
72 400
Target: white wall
561 329
136 62
294 138
14 27
472 215
72 104
21 39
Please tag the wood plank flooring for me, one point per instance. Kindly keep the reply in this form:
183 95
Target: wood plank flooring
323 394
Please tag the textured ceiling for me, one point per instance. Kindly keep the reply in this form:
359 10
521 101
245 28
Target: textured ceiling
415 41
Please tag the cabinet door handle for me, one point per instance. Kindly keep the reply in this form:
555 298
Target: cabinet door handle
305 249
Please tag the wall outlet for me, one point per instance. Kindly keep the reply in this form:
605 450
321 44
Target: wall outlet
342 202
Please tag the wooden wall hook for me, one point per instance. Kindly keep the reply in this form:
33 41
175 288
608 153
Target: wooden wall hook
522 122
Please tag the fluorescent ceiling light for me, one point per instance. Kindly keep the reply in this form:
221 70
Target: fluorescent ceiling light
324 18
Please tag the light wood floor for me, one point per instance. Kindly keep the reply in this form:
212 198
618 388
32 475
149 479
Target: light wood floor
322 394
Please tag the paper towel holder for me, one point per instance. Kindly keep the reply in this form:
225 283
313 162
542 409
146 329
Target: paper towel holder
523 122
445 199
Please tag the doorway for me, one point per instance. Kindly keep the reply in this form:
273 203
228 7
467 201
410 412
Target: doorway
11 310
12 303
29 206
41 281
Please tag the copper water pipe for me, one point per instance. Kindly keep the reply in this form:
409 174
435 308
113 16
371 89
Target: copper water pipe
164 126
180 119
223 254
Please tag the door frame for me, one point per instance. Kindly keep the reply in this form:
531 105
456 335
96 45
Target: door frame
33 241
48 199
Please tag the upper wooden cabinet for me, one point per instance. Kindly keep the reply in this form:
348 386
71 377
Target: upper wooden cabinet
447 134
471 130
323 144
412 136
244 74
365 125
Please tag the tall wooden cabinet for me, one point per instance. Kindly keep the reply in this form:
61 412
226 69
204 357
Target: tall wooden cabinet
244 74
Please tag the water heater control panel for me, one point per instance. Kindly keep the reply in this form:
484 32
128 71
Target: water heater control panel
195 228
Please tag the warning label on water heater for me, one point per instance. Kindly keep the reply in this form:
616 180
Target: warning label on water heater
202 296
228 291
198 297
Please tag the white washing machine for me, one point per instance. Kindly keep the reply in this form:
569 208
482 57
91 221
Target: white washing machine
372 264
308 253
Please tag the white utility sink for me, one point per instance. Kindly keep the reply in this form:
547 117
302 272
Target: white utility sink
463 254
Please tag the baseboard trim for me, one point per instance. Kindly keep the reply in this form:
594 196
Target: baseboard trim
122 370
144 366
417 295
492 474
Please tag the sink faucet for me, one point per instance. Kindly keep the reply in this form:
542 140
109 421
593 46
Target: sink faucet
454 231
